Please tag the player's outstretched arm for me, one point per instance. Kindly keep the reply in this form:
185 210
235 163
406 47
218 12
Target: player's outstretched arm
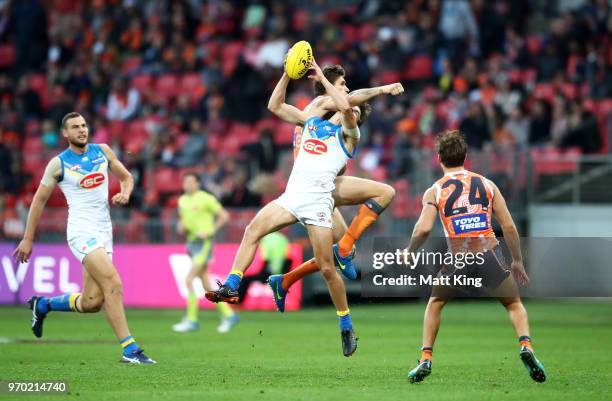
123 175
361 96
511 235
50 177
282 110
426 221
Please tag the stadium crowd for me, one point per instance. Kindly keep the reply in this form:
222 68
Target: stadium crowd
183 85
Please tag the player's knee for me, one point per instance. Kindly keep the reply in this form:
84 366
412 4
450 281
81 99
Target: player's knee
113 287
189 282
437 302
327 270
252 233
511 303
388 193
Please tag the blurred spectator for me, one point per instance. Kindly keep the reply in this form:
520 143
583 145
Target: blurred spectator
507 98
264 152
518 125
502 136
123 102
475 126
8 167
28 22
194 149
242 91
401 157
63 103
560 120
539 127
28 103
458 28
5 14
272 52
50 137
237 194
583 132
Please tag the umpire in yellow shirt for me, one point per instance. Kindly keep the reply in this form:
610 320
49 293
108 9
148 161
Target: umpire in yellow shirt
200 217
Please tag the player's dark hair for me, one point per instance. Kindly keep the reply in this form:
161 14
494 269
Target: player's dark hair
194 175
452 148
365 110
72 114
332 73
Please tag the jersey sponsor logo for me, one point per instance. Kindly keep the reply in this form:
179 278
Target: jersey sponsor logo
470 223
98 160
315 147
91 181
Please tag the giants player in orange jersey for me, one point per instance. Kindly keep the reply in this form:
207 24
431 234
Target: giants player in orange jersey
465 202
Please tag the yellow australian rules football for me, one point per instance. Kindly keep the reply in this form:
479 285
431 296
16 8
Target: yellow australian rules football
298 60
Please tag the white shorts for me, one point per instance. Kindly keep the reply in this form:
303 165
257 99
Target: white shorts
310 208
83 244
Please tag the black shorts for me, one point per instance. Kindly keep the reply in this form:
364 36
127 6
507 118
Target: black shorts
481 278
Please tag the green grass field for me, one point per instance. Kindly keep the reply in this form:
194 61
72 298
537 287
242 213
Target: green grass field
297 356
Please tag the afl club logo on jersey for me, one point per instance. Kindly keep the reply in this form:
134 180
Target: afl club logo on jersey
91 181
315 147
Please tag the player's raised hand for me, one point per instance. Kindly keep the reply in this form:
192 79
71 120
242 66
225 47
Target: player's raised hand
23 251
518 270
121 199
318 73
393 89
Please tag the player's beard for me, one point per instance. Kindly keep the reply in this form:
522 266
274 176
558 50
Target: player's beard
79 143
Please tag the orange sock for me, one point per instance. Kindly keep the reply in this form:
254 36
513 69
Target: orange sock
525 341
365 217
298 273
426 354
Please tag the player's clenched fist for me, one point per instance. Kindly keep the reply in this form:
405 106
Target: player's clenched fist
393 89
120 199
23 251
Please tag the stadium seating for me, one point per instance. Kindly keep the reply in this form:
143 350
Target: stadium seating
357 42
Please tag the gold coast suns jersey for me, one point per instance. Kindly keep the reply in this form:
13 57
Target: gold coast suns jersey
321 154
84 182
465 205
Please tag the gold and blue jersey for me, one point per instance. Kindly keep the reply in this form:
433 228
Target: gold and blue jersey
84 182
322 154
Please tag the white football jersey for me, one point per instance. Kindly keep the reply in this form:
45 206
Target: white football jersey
321 156
84 182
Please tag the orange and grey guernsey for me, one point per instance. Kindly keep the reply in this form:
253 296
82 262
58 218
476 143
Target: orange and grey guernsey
465 204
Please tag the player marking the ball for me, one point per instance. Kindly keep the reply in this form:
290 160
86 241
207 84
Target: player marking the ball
326 148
